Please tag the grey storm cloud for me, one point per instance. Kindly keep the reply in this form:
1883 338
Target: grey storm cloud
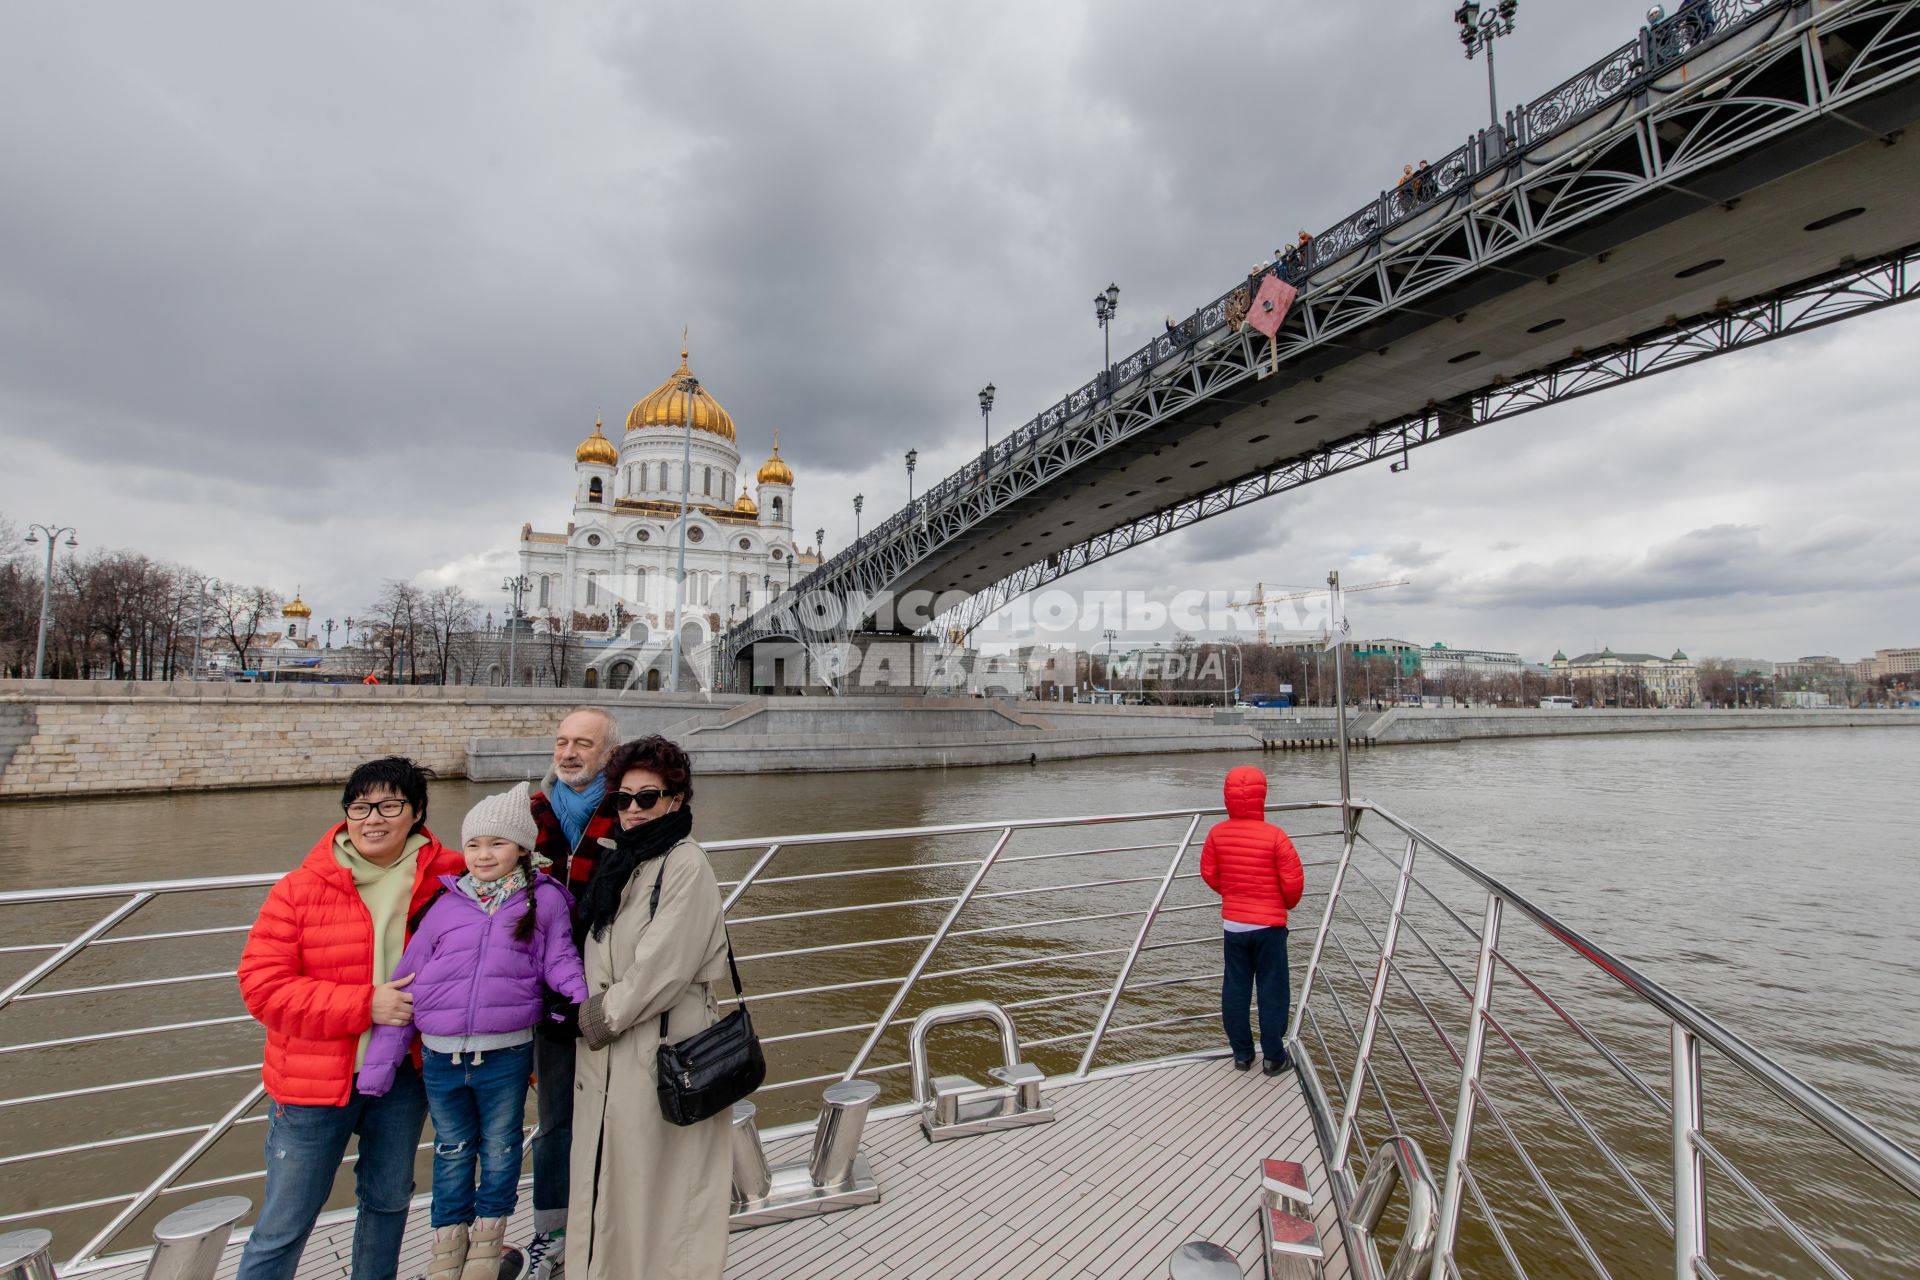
325 295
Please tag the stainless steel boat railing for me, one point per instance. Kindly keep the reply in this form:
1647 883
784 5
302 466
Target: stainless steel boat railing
151 1012
778 930
1813 1185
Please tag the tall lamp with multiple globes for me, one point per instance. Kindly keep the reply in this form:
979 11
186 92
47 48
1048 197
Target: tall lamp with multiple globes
1480 25
913 459
1104 306
986 414
516 588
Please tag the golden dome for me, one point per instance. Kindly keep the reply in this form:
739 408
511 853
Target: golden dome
776 470
596 449
667 407
296 608
745 505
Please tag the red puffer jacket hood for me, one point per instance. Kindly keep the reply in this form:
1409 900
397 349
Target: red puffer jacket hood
307 971
1249 861
1246 791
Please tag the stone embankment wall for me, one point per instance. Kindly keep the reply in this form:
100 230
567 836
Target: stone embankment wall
82 737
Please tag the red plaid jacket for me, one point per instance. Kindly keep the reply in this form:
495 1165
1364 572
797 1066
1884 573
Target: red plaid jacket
572 864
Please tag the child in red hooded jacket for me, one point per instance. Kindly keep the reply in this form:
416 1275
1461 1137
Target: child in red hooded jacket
1252 865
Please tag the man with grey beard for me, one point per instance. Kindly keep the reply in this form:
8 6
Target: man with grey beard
572 815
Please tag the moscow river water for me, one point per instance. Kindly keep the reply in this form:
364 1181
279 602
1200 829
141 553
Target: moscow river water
1768 877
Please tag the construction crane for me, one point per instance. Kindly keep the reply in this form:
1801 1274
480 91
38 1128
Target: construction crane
1261 600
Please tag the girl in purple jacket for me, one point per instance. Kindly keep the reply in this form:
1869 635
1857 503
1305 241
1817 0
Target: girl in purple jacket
483 954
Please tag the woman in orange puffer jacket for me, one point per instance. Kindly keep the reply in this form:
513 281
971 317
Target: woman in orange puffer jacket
317 972
1252 865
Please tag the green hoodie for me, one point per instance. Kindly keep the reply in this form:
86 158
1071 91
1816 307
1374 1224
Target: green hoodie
386 891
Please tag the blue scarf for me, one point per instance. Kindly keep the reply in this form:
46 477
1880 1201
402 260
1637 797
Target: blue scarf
576 808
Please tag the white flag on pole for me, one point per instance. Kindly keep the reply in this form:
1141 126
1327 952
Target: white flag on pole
1339 629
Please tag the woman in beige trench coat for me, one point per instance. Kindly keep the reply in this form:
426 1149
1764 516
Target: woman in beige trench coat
650 1198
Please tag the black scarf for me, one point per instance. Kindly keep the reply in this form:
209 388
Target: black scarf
624 855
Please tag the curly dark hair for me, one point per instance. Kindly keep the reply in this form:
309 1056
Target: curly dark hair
653 752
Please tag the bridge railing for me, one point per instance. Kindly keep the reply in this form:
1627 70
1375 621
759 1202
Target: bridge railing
1610 80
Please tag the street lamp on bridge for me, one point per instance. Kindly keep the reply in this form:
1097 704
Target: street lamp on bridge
52 535
1478 30
859 501
820 545
1104 305
913 457
986 414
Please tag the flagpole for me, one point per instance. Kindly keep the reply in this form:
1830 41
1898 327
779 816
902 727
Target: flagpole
1337 622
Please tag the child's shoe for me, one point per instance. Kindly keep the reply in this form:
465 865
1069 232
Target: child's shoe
483 1250
449 1253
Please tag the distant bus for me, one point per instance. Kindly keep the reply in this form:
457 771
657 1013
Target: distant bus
1557 702
1269 700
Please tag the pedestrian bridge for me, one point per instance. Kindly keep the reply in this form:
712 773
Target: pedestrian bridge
1708 186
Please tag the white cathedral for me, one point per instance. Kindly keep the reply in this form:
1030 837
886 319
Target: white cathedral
610 576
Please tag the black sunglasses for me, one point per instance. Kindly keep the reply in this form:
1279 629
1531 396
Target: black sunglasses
645 798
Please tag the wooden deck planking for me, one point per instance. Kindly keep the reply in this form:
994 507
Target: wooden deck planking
1135 1166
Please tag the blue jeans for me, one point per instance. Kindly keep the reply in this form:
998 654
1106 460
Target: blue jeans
478 1110
553 1145
1256 964
304 1148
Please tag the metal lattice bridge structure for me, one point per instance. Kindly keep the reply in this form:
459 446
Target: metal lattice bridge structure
1737 173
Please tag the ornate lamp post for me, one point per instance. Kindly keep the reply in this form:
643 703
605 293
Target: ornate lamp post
1478 30
913 456
516 588
820 544
1104 305
52 535
329 630
859 501
986 414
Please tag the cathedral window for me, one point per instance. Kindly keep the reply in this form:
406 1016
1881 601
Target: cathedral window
707 487
546 591
594 491
593 591
776 509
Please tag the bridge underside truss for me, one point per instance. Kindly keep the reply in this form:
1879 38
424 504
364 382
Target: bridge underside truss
1512 205
1881 284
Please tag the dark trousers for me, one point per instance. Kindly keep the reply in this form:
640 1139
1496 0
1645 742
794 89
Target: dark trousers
553 1145
1256 967
305 1145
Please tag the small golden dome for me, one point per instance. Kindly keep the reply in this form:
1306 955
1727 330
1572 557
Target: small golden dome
667 407
776 470
745 505
596 449
296 608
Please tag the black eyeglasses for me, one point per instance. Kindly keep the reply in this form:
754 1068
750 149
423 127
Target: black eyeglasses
360 810
644 799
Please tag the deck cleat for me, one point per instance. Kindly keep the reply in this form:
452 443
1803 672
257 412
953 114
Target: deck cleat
954 1106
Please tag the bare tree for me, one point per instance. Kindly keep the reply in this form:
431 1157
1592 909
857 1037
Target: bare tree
449 622
559 652
237 614
396 620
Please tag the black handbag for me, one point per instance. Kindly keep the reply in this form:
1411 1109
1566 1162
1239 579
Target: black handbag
710 1070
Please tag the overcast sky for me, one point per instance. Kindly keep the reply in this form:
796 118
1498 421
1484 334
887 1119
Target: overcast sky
321 295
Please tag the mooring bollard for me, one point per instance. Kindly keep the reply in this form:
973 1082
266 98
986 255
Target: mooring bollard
836 1138
752 1179
188 1242
26 1255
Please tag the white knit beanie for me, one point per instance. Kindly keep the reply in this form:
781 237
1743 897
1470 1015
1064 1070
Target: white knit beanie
505 815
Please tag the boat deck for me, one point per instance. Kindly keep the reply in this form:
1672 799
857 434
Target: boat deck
1136 1165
